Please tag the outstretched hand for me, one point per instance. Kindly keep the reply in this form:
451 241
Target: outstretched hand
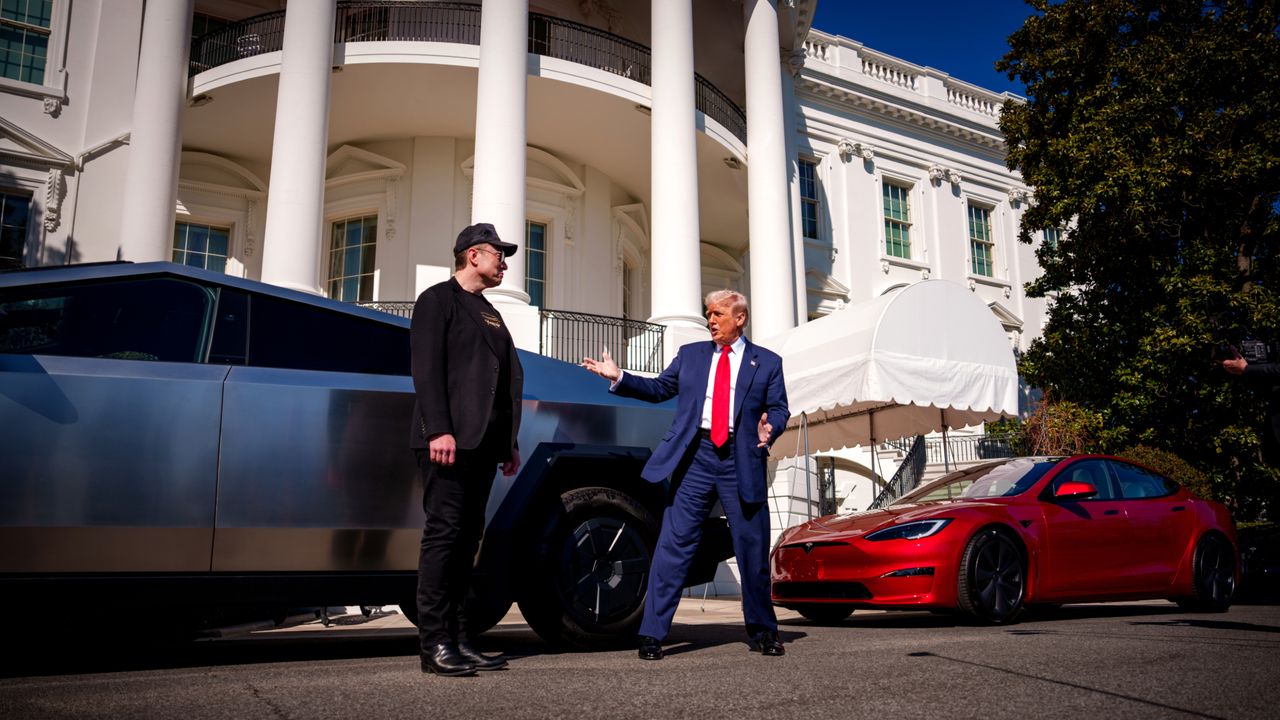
605 367
765 430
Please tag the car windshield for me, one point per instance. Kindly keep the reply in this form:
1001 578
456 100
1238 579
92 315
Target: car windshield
997 479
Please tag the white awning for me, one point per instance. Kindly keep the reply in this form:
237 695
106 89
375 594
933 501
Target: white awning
928 356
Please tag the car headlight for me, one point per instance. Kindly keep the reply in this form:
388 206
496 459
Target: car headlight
910 530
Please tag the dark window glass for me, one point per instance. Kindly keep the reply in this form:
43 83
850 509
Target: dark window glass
14 209
1136 482
535 280
1093 472
287 334
230 329
150 319
24 39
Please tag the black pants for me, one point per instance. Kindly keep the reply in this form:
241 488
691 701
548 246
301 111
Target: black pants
453 499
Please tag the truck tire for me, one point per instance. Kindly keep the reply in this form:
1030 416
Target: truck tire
583 582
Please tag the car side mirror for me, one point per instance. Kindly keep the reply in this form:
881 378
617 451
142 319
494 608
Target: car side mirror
1074 490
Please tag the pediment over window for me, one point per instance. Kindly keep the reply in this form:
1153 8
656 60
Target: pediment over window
542 170
825 285
218 174
1006 318
350 164
19 146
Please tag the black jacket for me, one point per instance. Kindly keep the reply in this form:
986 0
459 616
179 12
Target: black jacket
456 369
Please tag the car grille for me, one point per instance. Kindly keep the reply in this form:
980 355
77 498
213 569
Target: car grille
832 590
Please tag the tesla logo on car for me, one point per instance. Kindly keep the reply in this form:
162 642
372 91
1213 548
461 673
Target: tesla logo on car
808 548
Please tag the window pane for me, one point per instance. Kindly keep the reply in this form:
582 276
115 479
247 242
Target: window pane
218 241
156 319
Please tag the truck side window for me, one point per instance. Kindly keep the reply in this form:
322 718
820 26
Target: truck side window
147 319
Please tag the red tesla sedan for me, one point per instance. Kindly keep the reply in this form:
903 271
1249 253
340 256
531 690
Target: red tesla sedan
992 539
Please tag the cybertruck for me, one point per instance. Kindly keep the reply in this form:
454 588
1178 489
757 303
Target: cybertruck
177 438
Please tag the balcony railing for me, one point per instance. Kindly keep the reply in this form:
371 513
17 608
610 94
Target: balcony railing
570 336
908 476
459 23
399 308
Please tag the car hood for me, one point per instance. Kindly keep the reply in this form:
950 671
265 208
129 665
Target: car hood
847 526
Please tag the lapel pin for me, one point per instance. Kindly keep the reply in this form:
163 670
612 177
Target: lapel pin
753 363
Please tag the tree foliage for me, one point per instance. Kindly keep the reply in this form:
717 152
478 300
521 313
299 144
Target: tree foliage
1151 136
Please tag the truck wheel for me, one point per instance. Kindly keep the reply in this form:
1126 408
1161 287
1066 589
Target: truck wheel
584 584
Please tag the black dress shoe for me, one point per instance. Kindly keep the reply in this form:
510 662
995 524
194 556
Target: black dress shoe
444 659
481 661
766 642
650 648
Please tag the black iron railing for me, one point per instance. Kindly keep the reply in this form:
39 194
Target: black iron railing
962 449
908 476
570 336
459 23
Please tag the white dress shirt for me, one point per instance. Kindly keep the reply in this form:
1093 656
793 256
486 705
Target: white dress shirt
735 362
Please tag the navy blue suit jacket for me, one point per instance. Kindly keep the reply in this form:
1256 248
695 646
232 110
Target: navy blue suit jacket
759 389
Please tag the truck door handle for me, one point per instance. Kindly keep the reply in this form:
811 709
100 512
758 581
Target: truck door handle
1110 512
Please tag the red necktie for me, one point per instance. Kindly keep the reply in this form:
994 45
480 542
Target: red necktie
720 400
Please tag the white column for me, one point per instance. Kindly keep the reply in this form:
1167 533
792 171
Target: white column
499 177
676 262
293 239
151 185
773 292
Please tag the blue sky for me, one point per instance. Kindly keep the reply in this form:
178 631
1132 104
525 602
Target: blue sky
962 39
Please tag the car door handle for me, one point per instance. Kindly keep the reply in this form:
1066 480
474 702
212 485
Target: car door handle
1178 508
1110 512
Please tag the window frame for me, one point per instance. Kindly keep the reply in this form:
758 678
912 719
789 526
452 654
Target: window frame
52 88
545 253
989 243
908 190
228 259
806 202
327 277
31 215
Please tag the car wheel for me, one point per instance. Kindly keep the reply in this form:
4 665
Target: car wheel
1213 576
993 577
585 584
824 613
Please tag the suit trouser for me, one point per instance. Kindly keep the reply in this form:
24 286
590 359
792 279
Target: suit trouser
453 499
710 474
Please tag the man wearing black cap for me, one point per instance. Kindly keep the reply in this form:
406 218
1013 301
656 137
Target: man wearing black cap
468 385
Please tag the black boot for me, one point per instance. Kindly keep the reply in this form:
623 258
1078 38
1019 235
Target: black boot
444 659
481 661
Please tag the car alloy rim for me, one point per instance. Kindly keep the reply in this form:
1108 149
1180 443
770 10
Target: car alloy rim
604 569
998 577
1217 571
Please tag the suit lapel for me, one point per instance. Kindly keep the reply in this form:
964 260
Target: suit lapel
746 373
485 332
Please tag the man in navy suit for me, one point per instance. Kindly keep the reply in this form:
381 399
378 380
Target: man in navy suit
731 405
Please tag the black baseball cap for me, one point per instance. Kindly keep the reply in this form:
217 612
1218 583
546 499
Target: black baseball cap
482 234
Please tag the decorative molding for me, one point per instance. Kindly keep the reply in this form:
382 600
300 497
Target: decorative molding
53 106
1008 292
924 273
393 185
250 210
793 60
884 266
848 149
937 173
1019 196
973 285
54 191
954 176
570 219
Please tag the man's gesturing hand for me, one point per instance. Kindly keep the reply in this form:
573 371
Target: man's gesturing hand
765 430
605 367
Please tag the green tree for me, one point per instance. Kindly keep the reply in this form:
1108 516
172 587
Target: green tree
1151 136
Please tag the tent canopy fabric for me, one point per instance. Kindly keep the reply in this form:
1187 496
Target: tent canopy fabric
929 356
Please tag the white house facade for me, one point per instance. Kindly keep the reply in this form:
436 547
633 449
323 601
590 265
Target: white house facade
642 154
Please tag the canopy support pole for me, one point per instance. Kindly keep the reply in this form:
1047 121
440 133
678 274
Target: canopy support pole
946 446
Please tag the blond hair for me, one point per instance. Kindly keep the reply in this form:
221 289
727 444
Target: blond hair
738 301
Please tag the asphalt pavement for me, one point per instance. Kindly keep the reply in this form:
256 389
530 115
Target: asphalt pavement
1128 660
